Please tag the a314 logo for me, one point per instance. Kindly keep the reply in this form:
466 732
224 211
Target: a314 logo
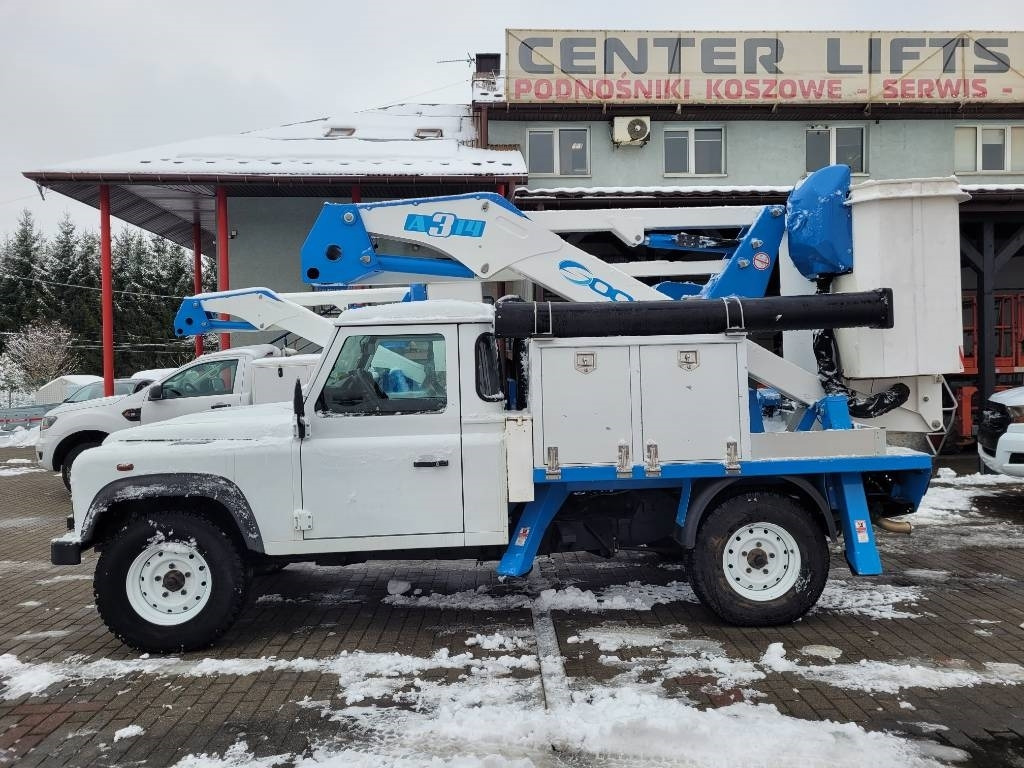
578 274
444 225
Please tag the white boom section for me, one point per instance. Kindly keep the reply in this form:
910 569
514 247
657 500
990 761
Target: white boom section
265 309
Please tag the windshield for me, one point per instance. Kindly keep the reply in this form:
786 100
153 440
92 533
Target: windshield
95 390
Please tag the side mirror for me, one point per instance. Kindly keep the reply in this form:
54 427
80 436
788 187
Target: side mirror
156 392
299 407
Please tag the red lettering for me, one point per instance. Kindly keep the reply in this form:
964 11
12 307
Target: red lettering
522 86
978 88
769 89
787 89
835 89
686 88
642 89
604 89
543 89
623 89
925 89
812 89
733 89
563 88
751 91
584 89
714 89
949 88
889 90
672 89
907 89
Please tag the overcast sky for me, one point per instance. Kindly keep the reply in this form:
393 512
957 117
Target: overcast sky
85 79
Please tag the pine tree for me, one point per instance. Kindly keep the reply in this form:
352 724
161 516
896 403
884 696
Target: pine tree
20 299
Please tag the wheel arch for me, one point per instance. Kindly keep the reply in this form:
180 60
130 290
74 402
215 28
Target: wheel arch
65 446
215 497
708 495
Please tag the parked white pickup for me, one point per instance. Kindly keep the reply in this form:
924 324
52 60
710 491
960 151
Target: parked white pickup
239 376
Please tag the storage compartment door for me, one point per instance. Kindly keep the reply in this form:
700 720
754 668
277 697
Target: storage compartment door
586 404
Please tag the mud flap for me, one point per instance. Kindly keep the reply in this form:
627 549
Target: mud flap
529 531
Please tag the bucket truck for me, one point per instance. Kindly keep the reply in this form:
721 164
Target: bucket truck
635 426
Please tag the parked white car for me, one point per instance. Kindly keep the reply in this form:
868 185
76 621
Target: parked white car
1001 432
234 377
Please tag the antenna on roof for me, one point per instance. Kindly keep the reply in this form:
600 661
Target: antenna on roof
468 60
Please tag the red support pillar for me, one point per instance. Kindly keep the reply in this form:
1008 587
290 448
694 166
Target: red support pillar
197 272
106 292
223 279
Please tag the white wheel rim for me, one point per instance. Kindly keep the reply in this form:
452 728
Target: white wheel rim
761 561
168 583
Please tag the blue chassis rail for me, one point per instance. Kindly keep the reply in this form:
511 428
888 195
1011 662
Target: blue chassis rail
841 479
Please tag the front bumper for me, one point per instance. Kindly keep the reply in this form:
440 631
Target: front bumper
44 452
65 551
1008 458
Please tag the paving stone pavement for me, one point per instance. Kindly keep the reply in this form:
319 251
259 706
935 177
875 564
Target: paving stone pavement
969 612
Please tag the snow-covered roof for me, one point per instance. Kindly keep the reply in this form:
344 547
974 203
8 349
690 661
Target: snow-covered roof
431 311
695 189
401 140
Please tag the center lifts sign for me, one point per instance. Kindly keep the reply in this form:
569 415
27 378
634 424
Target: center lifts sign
639 67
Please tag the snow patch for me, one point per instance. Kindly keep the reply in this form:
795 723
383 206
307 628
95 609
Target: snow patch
65 577
398 587
43 635
128 732
16 471
19 437
866 598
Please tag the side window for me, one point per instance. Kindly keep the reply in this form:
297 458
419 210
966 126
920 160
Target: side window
488 369
387 375
824 145
216 377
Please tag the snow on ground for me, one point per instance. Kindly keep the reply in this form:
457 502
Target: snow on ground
19 437
15 471
863 597
128 732
498 723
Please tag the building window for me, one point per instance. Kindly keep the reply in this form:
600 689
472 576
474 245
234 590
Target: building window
562 152
694 151
832 145
985 148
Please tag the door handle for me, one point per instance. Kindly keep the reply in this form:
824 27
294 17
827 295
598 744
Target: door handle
220 405
425 462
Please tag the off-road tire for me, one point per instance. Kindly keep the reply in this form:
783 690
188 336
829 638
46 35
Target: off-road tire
229 579
710 580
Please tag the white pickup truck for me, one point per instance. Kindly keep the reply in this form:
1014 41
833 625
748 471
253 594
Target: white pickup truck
239 376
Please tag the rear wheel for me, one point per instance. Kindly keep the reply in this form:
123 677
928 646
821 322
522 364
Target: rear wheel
760 559
69 459
169 582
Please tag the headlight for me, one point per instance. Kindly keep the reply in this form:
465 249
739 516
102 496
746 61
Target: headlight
1016 413
47 422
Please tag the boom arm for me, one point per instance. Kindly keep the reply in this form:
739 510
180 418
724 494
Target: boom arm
259 309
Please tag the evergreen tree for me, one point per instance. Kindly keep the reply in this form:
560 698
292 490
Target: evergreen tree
20 299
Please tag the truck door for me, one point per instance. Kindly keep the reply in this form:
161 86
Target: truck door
205 385
383 457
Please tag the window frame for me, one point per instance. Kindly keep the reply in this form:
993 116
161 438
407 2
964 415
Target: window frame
1008 130
691 150
487 362
225 363
556 164
832 129
397 406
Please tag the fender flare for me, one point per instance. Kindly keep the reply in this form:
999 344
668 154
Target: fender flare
176 485
686 530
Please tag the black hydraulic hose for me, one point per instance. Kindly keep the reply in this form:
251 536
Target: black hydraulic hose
830 373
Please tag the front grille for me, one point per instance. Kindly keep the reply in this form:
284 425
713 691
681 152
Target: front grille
992 424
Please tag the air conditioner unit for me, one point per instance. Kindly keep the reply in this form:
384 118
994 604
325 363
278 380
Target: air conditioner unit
631 131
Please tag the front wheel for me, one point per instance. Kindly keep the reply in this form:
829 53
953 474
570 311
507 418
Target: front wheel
760 559
169 582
